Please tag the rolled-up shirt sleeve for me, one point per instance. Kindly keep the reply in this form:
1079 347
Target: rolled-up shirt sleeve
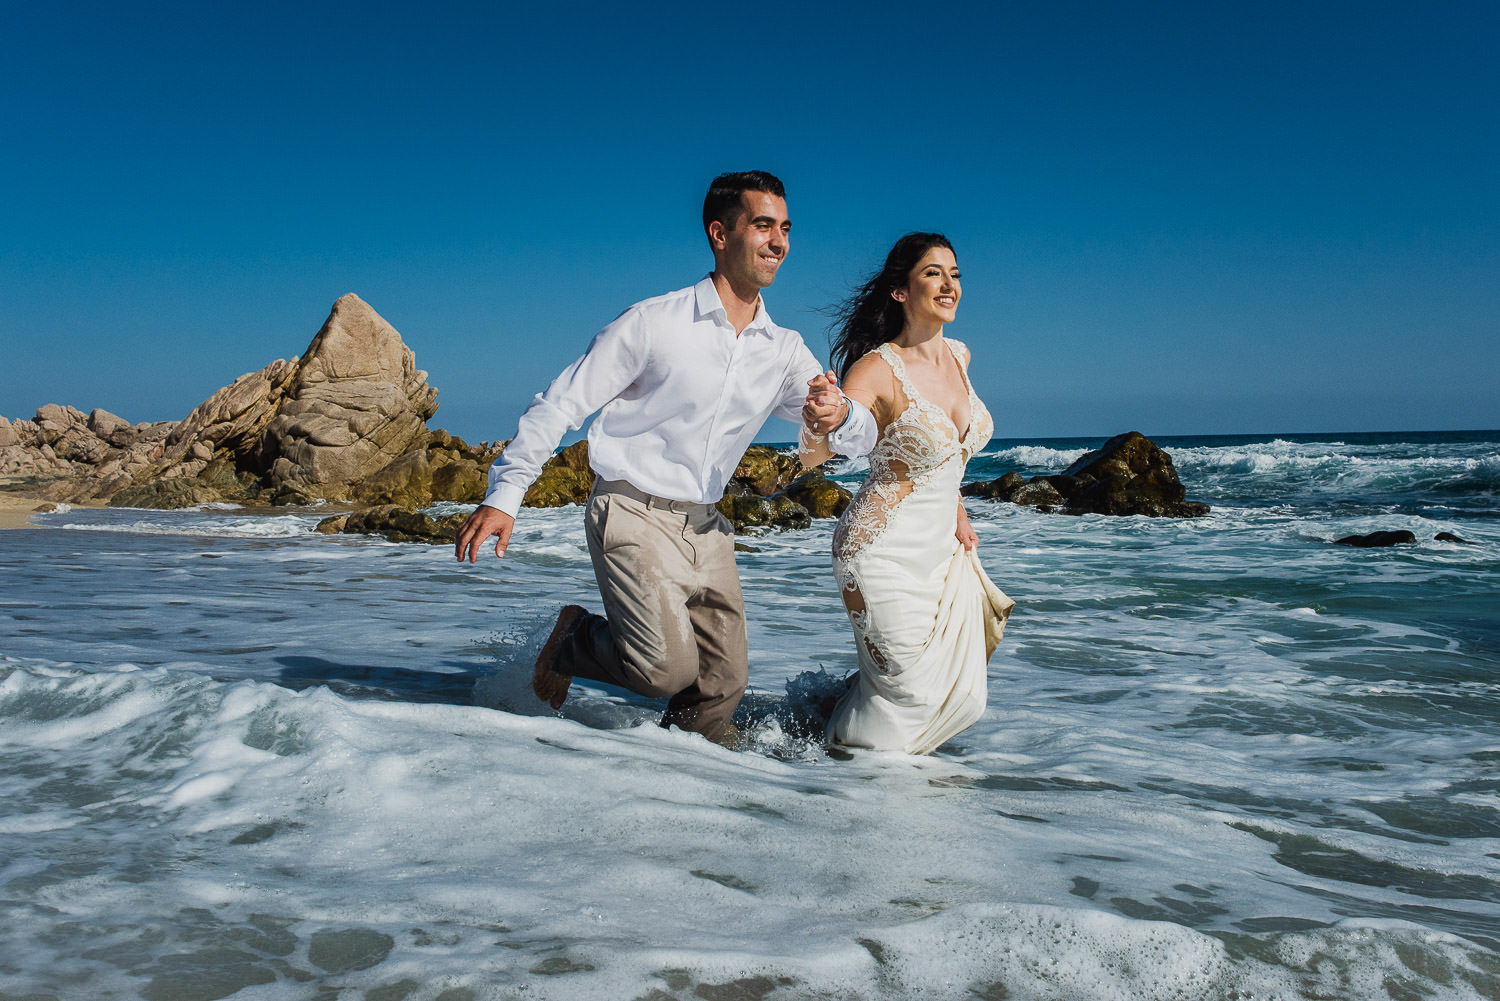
857 435
615 357
859 432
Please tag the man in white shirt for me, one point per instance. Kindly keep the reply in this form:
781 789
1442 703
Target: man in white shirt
683 383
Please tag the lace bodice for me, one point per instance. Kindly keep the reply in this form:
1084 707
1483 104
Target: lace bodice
920 448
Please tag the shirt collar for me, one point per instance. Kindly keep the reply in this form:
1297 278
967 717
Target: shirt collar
709 304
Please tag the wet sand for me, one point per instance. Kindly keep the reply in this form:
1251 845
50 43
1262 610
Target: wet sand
15 510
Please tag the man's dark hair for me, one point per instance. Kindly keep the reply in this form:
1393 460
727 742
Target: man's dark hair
723 199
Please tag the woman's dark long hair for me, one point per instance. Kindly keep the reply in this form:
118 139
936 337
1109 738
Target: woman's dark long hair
870 317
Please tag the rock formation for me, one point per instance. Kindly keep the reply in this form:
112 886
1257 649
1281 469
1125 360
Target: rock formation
313 427
1129 474
566 479
344 422
66 455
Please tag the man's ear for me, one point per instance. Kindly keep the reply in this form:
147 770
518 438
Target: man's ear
716 238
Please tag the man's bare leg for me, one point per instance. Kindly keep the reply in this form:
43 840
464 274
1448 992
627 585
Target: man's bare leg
551 687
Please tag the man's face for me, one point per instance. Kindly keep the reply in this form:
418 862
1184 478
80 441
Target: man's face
751 253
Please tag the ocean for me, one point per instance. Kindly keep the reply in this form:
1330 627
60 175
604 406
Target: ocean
1223 758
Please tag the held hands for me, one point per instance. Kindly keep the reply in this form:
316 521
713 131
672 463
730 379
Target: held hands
825 409
483 523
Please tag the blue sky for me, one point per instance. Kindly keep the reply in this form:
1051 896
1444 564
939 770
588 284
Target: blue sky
1175 218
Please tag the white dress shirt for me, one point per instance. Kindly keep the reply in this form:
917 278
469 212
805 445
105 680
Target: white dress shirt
680 397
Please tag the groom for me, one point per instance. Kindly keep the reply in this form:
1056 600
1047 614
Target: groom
683 383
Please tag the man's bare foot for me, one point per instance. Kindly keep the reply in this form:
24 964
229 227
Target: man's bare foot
551 687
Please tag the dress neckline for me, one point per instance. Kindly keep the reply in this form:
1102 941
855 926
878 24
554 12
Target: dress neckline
898 365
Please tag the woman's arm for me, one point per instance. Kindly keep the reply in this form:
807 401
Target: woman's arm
965 531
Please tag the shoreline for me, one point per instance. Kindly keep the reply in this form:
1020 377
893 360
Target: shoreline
16 510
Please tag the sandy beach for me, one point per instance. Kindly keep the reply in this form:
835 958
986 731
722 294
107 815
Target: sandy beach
15 510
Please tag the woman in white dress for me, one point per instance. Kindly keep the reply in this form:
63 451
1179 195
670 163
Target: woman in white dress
926 617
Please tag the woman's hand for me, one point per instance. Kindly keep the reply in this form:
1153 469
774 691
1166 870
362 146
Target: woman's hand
965 532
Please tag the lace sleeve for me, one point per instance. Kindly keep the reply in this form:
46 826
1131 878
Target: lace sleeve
812 449
960 351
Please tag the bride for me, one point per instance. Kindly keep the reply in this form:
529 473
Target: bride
925 615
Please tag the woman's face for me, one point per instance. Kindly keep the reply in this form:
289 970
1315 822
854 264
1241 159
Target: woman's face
932 289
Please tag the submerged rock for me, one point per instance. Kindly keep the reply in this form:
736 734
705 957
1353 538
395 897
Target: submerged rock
1375 540
398 524
1040 493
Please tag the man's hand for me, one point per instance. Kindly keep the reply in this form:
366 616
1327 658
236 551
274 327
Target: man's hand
483 523
826 407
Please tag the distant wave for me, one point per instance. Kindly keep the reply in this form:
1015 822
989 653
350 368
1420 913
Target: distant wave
216 528
1038 457
1289 469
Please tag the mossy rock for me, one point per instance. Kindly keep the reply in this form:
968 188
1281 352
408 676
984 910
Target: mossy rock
166 495
764 470
463 480
233 484
399 524
407 482
565 479
746 511
822 497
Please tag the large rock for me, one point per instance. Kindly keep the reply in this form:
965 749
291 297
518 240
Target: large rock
357 403
311 428
296 431
1129 474
232 421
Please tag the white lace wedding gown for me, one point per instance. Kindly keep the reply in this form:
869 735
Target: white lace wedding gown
926 617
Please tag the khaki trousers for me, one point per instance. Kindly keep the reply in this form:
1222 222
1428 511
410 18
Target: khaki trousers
674 617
